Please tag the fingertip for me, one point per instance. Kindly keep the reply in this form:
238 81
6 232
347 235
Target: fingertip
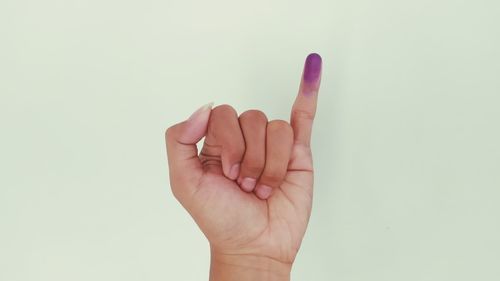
312 68
234 171
195 127
201 111
248 184
263 191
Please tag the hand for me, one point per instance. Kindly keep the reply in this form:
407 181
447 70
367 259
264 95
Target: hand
250 189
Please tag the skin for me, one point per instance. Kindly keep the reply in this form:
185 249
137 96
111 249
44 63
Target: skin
250 188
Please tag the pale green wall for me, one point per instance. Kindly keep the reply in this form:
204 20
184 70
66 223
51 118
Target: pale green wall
406 142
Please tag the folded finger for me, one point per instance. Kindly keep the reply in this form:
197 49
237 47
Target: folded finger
224 140
279 141
253 124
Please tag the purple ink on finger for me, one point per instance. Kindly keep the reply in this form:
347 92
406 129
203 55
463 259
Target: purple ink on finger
312 68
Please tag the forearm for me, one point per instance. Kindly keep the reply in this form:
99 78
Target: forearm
247 268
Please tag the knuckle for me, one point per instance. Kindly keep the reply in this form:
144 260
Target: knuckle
223 109
169 133
235 147
173 131
302 114
279 126
254 115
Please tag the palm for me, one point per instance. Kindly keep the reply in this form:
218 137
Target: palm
237 222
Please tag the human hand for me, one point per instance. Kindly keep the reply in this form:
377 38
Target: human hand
250 189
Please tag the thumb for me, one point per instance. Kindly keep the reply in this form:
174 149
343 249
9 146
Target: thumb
185 168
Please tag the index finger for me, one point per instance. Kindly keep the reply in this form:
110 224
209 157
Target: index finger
304 107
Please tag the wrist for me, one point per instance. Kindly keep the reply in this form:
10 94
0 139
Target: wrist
239 267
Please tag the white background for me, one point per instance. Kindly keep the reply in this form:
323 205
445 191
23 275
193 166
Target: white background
406 141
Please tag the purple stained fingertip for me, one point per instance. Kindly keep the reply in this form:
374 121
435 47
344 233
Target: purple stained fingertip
312 68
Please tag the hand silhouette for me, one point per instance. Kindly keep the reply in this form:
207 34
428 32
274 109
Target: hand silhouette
250 188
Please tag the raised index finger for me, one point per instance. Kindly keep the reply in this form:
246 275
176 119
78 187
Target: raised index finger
304 107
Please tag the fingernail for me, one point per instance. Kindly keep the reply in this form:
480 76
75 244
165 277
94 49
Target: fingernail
247 184
263 191
234 171
201 110
312 68
196 125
